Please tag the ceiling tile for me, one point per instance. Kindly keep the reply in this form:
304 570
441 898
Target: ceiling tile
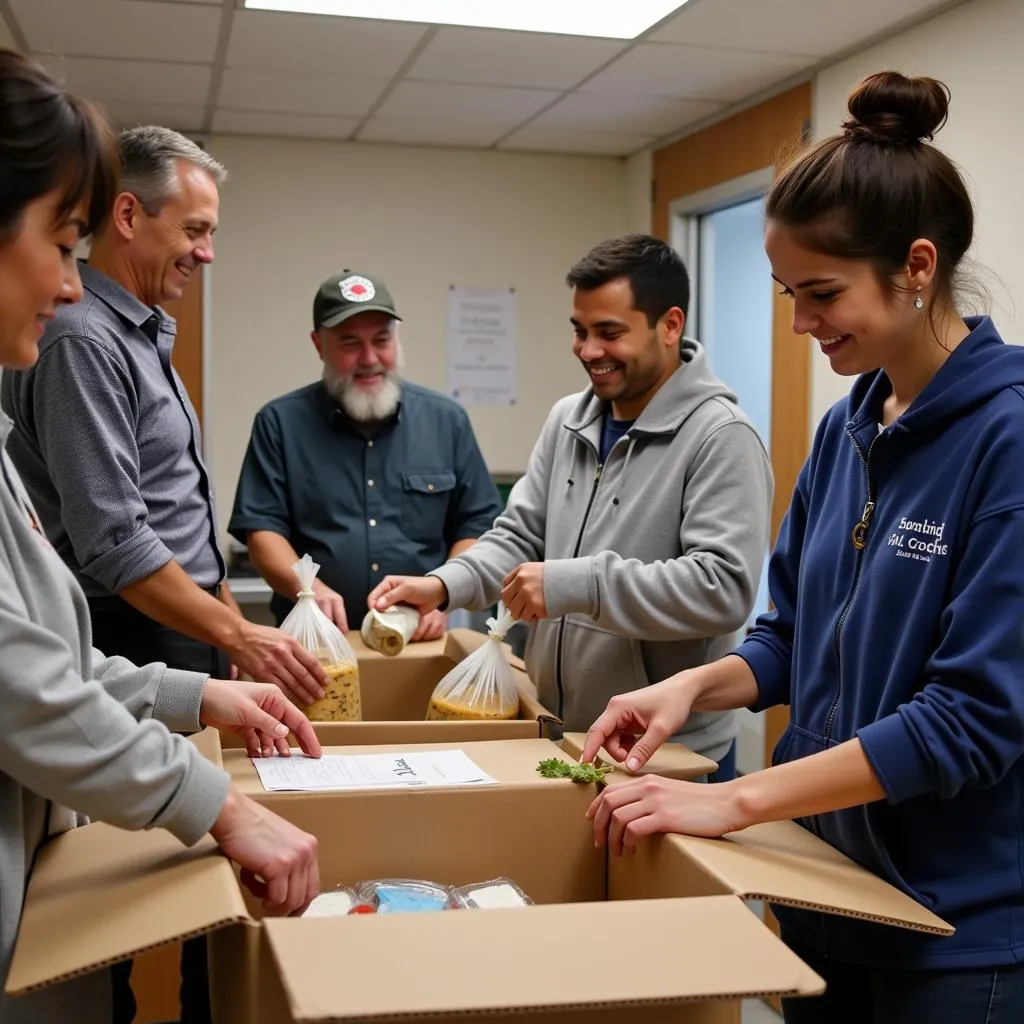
617 112
786 26
170 115
482 102
490 57
433 131
249 122
697 72
120 28
103 80
345 46
576 140
285 92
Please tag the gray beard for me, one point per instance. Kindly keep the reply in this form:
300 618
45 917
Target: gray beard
360 406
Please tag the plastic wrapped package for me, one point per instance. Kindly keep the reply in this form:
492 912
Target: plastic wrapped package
403 896
390 630
482 685
493 895
333 903
342 701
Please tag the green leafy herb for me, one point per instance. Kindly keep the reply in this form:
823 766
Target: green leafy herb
556 768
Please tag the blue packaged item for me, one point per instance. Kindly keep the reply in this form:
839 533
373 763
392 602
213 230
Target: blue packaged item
404 896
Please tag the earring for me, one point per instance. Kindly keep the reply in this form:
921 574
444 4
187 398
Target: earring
918 301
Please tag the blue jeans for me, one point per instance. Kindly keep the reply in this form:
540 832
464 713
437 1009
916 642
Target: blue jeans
874 995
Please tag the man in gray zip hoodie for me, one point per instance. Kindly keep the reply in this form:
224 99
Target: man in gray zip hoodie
634 544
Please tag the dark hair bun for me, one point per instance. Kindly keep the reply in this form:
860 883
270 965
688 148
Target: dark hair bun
891 109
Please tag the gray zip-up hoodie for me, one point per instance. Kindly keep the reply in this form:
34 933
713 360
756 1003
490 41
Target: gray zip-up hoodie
79 731
652 561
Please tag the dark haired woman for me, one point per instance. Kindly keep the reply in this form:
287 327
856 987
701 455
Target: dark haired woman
897 637
82 731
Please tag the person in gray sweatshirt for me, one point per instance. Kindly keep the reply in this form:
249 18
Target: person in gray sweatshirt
635 542
85 735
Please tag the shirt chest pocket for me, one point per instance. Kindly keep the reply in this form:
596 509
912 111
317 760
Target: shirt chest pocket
426 496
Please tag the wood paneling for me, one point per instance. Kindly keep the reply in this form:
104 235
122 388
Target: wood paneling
750 141
188 348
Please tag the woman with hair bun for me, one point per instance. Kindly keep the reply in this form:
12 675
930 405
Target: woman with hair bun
897 633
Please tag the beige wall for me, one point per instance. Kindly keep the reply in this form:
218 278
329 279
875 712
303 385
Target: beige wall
295 212
639 174
976 50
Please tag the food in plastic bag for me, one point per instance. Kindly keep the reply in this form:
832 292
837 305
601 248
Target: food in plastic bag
308 624
390 630
335 903
403 896
482 685
493 895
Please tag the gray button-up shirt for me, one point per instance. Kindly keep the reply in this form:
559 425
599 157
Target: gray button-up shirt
108 444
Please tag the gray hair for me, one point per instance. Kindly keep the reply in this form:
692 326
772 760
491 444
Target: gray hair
149 157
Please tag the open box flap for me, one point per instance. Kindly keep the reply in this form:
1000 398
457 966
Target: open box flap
433 965
783 863
98 895
510 762
672 760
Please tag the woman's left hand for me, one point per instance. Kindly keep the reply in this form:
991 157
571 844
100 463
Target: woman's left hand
260 713
626 812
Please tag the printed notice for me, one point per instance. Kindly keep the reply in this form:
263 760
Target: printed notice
370 771
482 345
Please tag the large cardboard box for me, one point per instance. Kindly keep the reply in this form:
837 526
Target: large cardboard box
98 895
396 692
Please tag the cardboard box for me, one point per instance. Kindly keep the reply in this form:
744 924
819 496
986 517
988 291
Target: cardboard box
396 692
108 894
671 760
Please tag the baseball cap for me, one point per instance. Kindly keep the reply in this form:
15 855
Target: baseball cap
348 294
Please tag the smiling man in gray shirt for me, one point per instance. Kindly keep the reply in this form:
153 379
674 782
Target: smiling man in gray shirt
108 445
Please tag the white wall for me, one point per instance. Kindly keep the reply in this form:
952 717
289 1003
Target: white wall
976 50
295 212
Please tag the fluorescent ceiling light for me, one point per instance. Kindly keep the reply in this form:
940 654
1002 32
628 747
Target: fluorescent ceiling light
613 19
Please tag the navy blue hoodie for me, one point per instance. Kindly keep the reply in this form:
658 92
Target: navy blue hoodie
914 643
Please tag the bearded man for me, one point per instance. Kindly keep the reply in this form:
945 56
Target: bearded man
369 474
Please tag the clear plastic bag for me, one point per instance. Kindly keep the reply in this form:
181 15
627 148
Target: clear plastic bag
481 686
390 630
496 894
308 624
404 896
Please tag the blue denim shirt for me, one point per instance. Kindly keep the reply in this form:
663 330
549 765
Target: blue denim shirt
364 503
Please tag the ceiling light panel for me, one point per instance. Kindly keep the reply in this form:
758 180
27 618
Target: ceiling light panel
566 17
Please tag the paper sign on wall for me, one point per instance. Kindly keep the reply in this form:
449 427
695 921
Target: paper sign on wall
482 345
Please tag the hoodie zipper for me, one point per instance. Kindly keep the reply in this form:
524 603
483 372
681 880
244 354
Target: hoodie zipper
859 539
561 625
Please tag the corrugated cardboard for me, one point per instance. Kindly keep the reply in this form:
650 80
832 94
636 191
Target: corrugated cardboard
396 692
474 963
99 894
778 862
671 760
